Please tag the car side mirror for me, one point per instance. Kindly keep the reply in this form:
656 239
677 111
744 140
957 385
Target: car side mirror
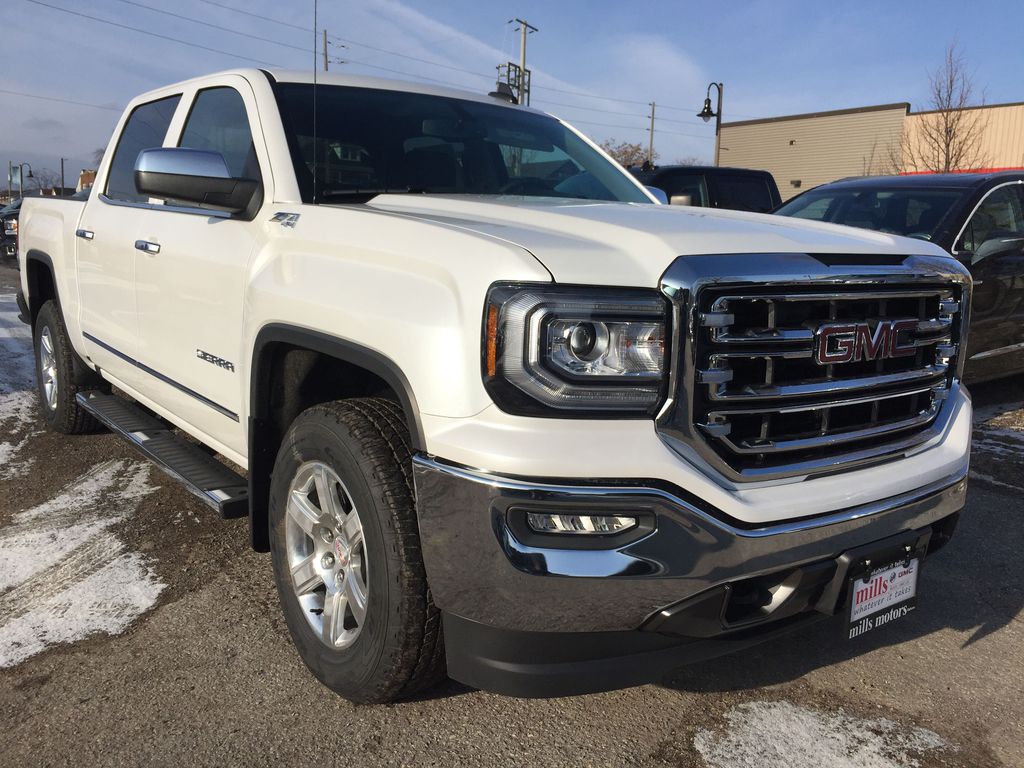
658 193
178 174
681 200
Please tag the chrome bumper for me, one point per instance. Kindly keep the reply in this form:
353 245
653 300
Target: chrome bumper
479 570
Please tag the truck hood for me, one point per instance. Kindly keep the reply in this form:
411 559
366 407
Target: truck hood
632 244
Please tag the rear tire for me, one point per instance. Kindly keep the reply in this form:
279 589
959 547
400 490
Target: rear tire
346 552
61 375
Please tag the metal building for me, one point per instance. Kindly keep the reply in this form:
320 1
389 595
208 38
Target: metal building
802 151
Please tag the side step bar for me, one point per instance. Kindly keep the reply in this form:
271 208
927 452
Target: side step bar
204 476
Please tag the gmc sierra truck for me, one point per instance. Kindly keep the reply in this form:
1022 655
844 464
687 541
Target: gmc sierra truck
498 413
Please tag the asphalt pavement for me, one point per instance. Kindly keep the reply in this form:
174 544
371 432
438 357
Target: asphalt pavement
136 628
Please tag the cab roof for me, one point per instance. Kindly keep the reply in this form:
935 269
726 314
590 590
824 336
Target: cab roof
923 180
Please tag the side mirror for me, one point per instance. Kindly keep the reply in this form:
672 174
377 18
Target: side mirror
682 200
194 176
658 193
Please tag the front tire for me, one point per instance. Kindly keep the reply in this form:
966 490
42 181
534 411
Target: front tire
345 546
60 376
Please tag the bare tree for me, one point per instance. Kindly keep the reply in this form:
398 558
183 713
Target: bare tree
691 160
626 153
882 163
97 156
950 136
47 178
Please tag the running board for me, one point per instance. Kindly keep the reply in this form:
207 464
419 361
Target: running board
202 474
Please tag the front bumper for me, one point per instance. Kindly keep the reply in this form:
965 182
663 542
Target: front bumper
531 619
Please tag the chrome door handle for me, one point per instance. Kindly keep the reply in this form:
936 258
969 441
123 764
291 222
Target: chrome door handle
85 234
148 247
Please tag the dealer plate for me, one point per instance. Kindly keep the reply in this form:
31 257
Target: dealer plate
886 595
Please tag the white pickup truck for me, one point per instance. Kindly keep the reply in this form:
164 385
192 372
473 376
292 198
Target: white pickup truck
500 412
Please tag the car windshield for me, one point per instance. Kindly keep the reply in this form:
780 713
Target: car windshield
911 212
371 141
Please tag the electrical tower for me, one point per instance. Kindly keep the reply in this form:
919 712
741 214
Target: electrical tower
517 76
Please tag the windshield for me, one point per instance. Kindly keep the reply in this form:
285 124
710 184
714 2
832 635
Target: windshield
911 212
371 141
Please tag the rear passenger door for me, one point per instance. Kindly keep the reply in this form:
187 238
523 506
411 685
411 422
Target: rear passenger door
105 246
190 285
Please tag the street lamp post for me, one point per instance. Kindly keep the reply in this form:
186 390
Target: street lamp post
707 113
21 177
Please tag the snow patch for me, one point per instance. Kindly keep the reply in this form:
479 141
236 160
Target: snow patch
780 733
64 574
994 481
17 390
17 363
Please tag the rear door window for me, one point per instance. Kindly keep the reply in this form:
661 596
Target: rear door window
145 128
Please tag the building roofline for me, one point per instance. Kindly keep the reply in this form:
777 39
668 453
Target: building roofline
857 110
904 105
968 109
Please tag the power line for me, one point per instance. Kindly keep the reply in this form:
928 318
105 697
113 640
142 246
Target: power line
151 34
214 26
414 58
63 101
341 61
257 16
588 109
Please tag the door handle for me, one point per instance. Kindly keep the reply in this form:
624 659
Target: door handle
85 234
148 247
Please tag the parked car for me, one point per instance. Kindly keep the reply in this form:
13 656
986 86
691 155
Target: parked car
976 217
737 189
501 413
9 229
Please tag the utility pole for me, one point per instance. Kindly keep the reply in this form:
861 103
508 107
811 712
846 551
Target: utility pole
10 181
325 50
62 176
650 139
524 29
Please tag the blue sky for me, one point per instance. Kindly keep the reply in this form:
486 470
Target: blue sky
595 63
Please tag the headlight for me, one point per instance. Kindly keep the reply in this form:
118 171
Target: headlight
549 350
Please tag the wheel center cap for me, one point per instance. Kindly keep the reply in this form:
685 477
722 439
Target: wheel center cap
341 553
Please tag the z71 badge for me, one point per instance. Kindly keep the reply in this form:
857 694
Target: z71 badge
220 362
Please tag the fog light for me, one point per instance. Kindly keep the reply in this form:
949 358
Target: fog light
544 522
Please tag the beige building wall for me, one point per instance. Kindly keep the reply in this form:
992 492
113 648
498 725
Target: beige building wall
1002 144
804 151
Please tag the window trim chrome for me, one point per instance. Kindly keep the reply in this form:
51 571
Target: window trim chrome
164 207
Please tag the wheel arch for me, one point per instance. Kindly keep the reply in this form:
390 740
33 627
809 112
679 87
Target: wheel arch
284 359
41 281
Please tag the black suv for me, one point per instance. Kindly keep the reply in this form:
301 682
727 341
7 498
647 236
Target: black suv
977 217
711 186
9 230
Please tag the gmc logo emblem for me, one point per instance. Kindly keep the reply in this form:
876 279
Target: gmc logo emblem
852 342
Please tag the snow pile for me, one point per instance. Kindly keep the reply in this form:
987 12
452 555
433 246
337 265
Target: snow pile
778 733
64 575
17 390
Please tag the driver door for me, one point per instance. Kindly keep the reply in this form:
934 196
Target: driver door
992 248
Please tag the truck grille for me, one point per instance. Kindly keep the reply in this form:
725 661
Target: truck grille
783 377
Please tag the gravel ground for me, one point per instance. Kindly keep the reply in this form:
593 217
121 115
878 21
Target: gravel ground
137 629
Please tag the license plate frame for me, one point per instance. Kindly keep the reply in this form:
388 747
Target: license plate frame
884 596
